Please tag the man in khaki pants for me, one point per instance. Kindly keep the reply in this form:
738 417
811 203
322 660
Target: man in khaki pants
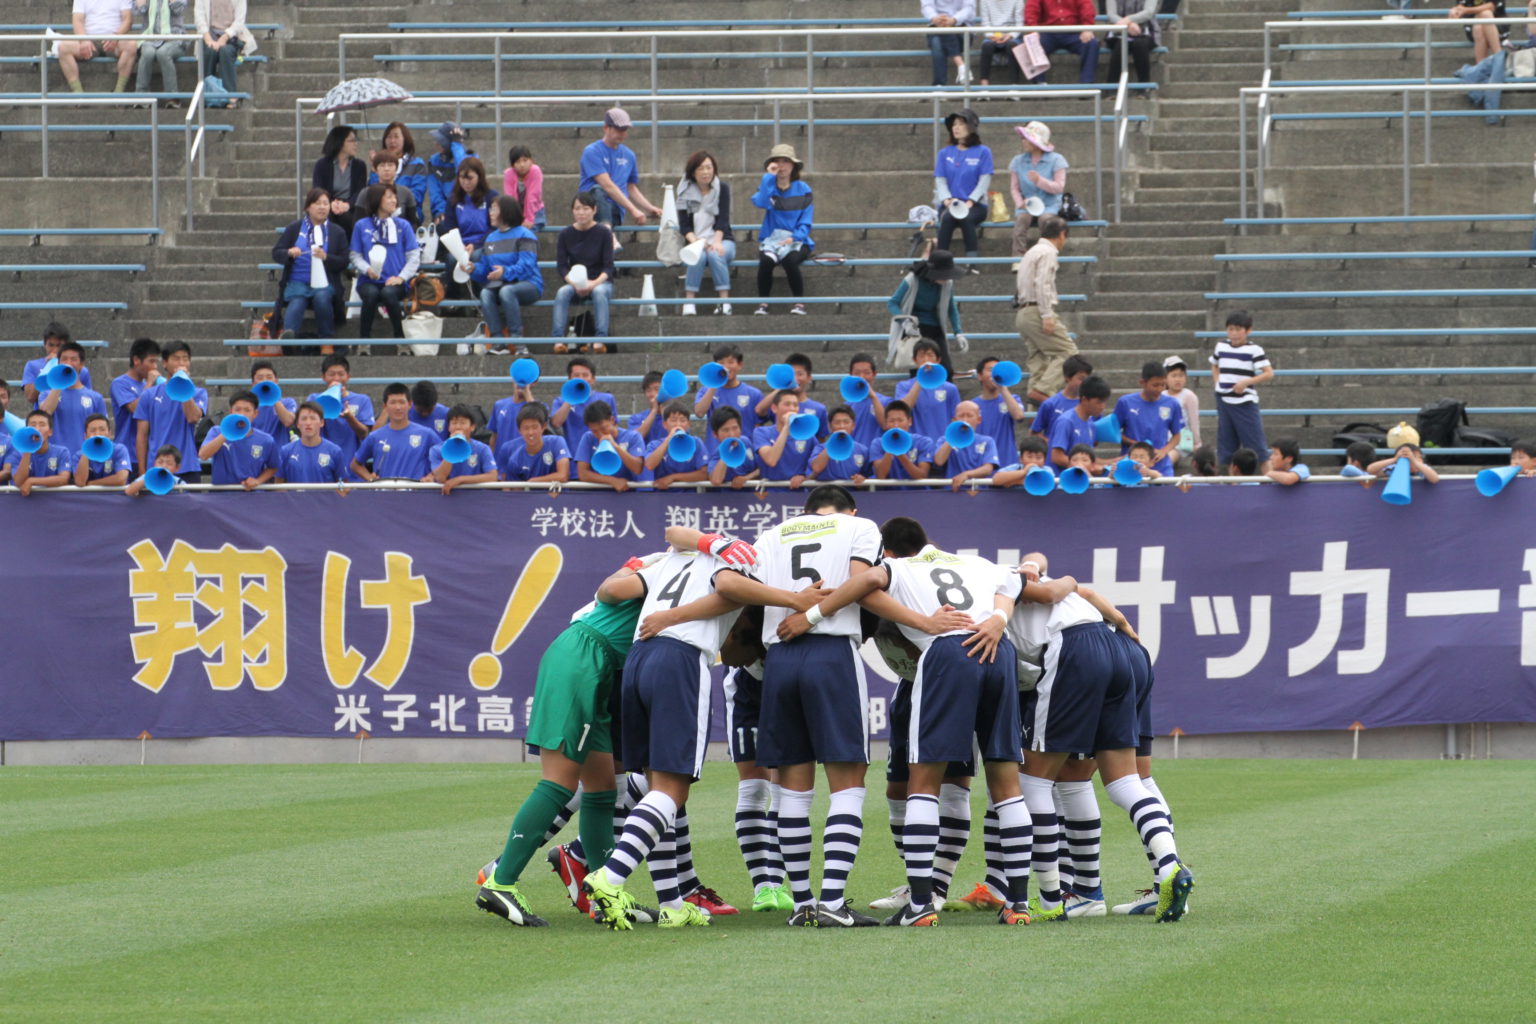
1046 343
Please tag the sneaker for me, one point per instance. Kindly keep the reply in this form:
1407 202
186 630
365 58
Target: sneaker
636 912
724 309
285 335
765 899
486 872
500 350
843 917
610 903
786 901
505 901
571 872
926 916
706 898
1173 894
461 349
1058 913
798 309
899 897
1144 903
761 310
982 898
1085 906
687 916
1018 914
689 309
805 917
521 350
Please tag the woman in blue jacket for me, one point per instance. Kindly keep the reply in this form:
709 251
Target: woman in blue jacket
785 237
443 168
507 271
468 213
385 257
410 169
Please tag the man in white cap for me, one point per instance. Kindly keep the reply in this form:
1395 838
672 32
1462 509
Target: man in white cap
611 170
1046 341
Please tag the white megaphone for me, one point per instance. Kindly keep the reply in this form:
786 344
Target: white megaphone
669 217
454 243
577 275
317 276
648 297
426 237
376 257
691 253
1034 206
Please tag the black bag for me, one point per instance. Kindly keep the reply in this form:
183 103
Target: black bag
1373 434
1438 423
1071 209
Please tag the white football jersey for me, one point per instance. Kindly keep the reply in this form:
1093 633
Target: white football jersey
680 578
931 579
806 548
1032 626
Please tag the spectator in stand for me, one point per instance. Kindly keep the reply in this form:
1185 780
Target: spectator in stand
524 181
506 414
927 291
571 419
977 459
1067 12
601 427
1203 461
1038 172
724 424
427 411
314 236
112 471
611 172
1141 453
311 459
914 464
1404 451
356 420
1522 454
276 420
1238 366
143 373
49 466
72 406
962 175
784 239
478 468
868 412
662 461
948 47
1138 19
651 424
801 364
507 270
743 398
704 212
469 213
535 455
781 456
54 337
250 461
1486 38
1285 465
410 170
1075 370
342 174
589 245
853 468
1001 412
385 257
221 23
1047 344
161 17
1356 457
1032 453
168 457
1151 415
384 174
163 422
98 18
1081 456
1075 426
933 409
1244 462
1180 391
397 448
995 14
443 168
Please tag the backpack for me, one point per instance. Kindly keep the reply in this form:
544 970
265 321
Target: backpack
426 292
1071 209
1437 423
214 93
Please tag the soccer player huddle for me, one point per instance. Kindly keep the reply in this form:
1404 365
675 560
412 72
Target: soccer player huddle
1038 678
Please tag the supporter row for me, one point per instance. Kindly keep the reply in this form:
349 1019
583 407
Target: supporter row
220 24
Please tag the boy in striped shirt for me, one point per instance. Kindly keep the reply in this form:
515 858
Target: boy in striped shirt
1238 367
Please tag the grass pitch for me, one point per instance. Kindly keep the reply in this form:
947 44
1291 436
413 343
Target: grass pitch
1327 891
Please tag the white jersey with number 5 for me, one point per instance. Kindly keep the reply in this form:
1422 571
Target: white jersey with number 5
681 578
806 548
931 579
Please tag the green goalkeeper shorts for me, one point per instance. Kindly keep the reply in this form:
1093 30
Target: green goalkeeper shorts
571 695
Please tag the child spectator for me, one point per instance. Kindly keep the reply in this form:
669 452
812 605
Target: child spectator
1238 367
725 423
1203 461
801 364
781 456
346 431
397 449
168 457
1180 391
110 472
524 181
1075 370
71 406
49 466
650 423
978 459
914 464
744 398
535 455
571 419
1244 462
143 372
1523 454
1415 456
1142 454
427 410
629 445
933 409
276 420
1001 411
54 336
478 468
661 461
1285 465
869 412
506 413
250 461
1356 457
311 459
162 422
1151 416
1075 426
1032 453
824 467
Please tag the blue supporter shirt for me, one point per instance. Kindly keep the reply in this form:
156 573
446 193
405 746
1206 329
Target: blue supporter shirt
795 460
503 420
298 463
961 169
743 398
70 415
627 439
437 422
168 425
932 411
397 454
119 461
518 463
866 427
1045 416
922 451
818 410
29 373
240 460
658 425
125 391
1156 422
481 460
980 452
671 467
575 428
267 422
843 469
1071 429
340 433
746 467
57 459
999 426
618 162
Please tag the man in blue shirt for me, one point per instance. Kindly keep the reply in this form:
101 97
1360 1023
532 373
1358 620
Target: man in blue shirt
356 420
933 409
311 459
1151 416
651 423
54 337
534 456
781 456
276 420
1075 426
570 420
49 466
868 413
505 415
110 472
398 450
427 410
915 464
855 467
661 458
977 459
73 405
1001 411
143 373
630 446
250 461
725 425
743 398
804 375
478 468
611 170
164 422
1074 371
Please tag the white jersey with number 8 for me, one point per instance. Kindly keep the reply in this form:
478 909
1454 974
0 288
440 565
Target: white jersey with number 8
681 578
804 549
931 579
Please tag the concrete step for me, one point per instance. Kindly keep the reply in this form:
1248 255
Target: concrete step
1152 283
1181 212
1183 142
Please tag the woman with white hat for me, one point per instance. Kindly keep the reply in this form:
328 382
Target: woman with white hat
785 237
1037 177
704 218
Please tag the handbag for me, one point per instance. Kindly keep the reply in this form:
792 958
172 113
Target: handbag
1071 209
997 208
423 324
904 335
1031 56
669 246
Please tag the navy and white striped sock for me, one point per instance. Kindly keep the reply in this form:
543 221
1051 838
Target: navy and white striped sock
918 841
840 843
775 860
1151 787
1064 864
629 788
1084 833
565 815
687 878
795 844
1151 820
663 865
752 833
1042 813
992 846
646 825
1016 834
954 834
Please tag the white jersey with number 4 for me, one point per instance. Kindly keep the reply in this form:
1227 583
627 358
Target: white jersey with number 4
807 548
681 578
931 579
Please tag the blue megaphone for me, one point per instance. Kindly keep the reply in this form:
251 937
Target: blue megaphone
180 387
159 480
853 389
682 446
524 372
268 393
804 426
896 441
13 422
1074 480
1399 489
713 375
330 402
674 384
959 434
733 452
456 449
1127 472
27 440
575 391
59 377
605 459
840 445
234 427
1492 481
932 375
1039 481
1007 373
781 376
1106 429
98 448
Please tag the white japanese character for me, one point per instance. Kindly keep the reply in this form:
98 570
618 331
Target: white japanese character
447 708
495 715
573 522
1147 595
719 519
680 515
601 523
1330 585
630 526
1218 615
403 702
351 712
543 520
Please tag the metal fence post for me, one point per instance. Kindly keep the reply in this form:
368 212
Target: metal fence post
1406 201
1098 150
42 63
154 165
497 43
1242 157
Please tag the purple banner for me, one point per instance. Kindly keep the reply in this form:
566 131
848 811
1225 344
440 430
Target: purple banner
411 614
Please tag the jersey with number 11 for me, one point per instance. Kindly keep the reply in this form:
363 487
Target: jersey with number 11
931 579
804 549
680 578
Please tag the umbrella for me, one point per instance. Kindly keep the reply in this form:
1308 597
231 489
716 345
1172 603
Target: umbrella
360 93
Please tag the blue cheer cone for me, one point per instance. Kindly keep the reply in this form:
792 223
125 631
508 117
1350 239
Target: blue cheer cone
959 434
1106 429
524 372
234 427
1399 489
61 377
456 449
1007 373
840 445
733 452
330 402
896 441
1039 481
1127 473
853 389
781 376
1492 481
98 448
605 459
575 391
180 387
713 375
674 384
1074 480
268 393
159 480
804 426
932 375
27 440
682 446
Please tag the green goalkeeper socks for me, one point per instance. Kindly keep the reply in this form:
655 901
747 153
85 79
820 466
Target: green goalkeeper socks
596 826
533 819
